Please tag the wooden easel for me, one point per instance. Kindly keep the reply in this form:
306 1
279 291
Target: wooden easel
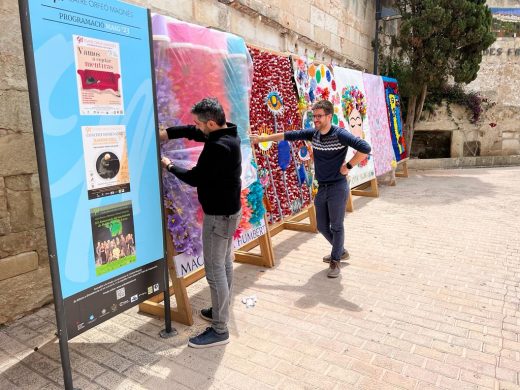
403 172
266 256
366 189
182 313
292 223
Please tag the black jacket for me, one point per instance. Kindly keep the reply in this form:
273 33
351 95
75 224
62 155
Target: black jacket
218 170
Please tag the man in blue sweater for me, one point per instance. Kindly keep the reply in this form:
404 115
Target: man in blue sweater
329 144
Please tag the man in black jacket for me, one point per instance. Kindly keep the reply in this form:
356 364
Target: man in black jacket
217 178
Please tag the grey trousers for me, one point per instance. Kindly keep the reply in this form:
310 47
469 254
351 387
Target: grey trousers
217 246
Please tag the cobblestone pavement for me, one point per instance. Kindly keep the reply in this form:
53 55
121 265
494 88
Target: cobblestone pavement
429 299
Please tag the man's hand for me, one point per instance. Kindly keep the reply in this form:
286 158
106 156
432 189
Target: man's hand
255 139
344 170
163 134
165 161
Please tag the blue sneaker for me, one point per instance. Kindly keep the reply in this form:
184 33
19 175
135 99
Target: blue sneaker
209 338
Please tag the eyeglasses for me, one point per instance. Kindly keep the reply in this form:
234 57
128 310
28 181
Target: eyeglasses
319 116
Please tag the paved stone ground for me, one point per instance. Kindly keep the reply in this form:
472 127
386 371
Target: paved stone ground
429 299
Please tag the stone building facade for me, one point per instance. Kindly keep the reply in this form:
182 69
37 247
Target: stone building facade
330 30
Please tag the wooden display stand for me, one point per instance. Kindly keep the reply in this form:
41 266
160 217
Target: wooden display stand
366 189
403 172
292 223
182 313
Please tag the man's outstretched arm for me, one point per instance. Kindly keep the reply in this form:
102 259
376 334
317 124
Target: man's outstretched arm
188 131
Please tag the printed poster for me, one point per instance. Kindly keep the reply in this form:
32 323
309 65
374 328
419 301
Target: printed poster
352 110
98 73
113 236
106 160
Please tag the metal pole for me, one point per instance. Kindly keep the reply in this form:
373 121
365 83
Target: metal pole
59 308
168 331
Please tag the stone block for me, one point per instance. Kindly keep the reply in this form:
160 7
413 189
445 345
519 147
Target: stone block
271 11
25 210
3 199
484 161
210 13
15 111
17 155
468 161
500 160
20 242
509 134
299 10
514 160
19 264
304 28
288 20
331 23
335 42
246 26
5 226
511 145
182 10
12 72
22 182
11 37
265 36
25 293
317 17
322 36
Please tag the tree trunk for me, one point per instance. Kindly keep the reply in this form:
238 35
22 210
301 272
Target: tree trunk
420 104
413 115
410 121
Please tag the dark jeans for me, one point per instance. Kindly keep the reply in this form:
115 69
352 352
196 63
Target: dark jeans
330 203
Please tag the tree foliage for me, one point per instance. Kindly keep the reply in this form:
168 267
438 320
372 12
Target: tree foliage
437 40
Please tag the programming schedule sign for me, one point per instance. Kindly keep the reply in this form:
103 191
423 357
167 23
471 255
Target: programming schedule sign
91 85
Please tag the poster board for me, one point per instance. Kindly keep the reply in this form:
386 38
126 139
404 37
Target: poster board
95 132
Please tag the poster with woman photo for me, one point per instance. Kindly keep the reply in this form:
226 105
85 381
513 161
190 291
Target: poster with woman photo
353 112
106 160
98 74
113 236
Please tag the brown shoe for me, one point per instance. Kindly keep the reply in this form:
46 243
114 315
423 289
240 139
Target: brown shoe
334 269
344 256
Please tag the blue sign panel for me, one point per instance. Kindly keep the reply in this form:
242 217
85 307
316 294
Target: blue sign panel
92 92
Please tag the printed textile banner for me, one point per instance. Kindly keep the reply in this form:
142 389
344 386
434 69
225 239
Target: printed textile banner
315 82
352 110
283 166
194 62
393 105
381 143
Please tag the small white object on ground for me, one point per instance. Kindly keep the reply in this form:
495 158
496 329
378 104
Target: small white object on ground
249 301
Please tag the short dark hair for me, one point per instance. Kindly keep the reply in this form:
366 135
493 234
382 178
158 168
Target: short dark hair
325 105
209 109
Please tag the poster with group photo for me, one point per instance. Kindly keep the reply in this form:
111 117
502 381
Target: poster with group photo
113 236
98 72
106 160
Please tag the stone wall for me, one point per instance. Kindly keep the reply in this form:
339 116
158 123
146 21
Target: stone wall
499 75
498 130
503 3
330 30
24 269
